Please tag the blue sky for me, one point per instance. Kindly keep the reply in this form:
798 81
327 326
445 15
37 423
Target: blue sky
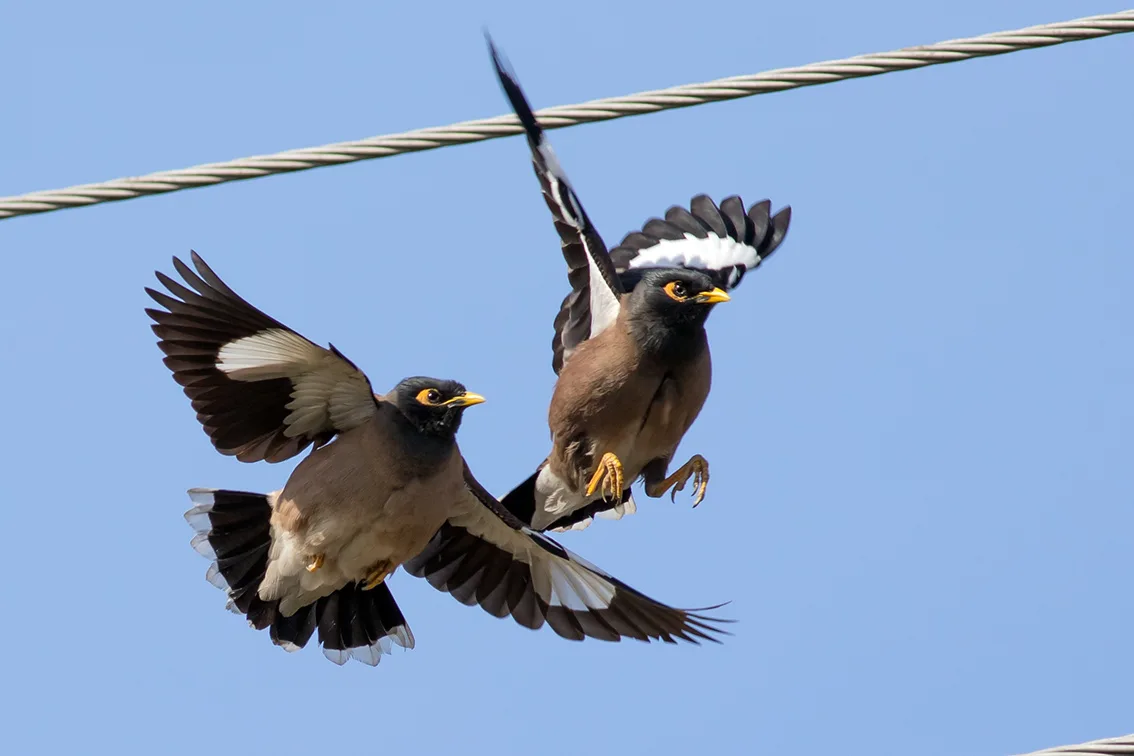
920 430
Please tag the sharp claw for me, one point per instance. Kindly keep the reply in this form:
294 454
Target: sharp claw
678 486
595 480
700 482
609 475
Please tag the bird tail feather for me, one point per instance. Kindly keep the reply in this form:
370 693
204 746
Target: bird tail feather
523 500
234 531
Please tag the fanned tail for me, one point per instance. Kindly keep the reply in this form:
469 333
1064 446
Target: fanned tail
234 531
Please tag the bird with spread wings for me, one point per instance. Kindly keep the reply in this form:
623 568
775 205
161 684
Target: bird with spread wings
630 347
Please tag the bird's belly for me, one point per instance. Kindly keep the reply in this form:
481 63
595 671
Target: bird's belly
660 433
352 541
636 426
654 434
399 530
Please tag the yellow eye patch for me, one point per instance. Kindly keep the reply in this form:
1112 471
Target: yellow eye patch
430 397
677 290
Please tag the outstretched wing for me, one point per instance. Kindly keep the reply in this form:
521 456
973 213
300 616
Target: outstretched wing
484 555
725 242
261 391
592 304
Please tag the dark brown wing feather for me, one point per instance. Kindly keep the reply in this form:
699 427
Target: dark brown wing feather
261 391
725 242
484 555
592 304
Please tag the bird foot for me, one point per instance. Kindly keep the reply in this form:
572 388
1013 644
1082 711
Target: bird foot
377 574
315 563
609 474
697 468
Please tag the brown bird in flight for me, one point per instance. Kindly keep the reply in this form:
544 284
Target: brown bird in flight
630 346
384 486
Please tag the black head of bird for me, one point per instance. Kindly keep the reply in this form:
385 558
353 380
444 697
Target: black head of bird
672 300
433 406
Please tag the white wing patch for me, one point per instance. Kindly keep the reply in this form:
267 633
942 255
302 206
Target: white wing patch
328 392
710 253
573 586
570 207
276 353
604 304
569 582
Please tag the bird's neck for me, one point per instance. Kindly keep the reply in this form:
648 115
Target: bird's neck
667 341
429 443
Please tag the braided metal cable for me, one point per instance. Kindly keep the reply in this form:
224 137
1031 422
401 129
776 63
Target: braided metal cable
1109 747
560 116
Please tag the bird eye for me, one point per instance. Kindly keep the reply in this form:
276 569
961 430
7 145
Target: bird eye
677 290
429 397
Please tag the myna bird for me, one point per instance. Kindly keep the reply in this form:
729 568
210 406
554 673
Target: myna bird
630 347
384 486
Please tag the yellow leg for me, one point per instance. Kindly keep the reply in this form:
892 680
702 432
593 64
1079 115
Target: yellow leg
609 474
377 574
315 563
697 467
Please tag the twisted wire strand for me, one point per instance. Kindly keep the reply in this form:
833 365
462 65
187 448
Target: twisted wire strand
1108 747
561 116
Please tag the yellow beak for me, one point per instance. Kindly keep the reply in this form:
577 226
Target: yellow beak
715 296
466 399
